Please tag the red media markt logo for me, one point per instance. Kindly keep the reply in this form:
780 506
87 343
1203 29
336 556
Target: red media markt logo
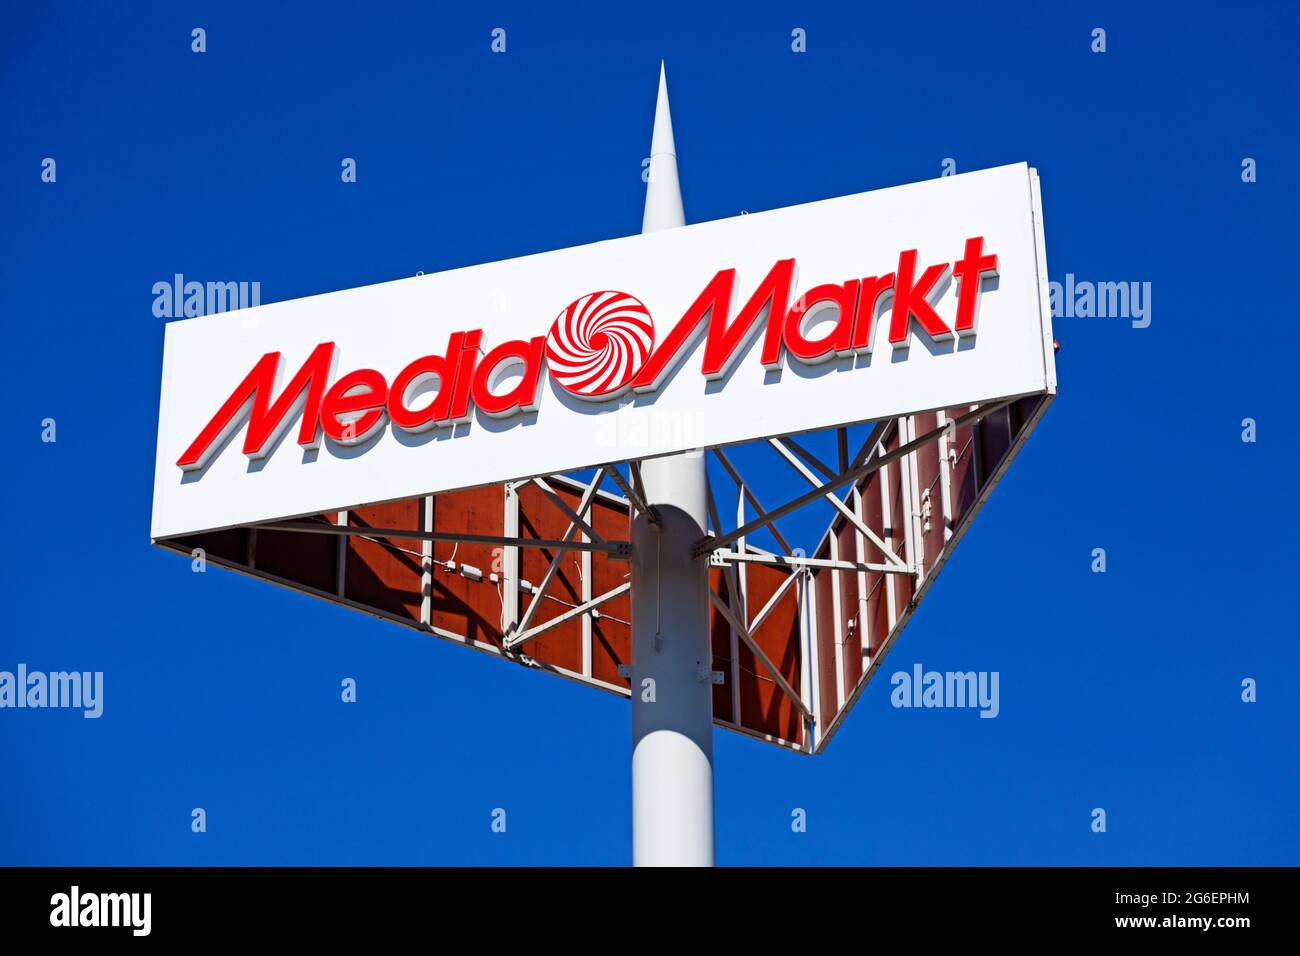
598 344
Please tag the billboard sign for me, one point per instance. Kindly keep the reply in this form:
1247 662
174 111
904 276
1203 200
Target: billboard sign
913 298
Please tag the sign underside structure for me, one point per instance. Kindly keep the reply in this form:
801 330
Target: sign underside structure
458 452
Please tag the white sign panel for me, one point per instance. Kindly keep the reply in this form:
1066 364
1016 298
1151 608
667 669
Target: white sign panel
918 297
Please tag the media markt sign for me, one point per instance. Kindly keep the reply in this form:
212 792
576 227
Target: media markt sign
901 300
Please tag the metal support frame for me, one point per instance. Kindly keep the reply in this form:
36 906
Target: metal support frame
713 542
522 637
340 553
566 545
887 525
826 470
912 512
636 495
872 445
724 558
947 451
839 505
638 489
619 550
573 516
510 560
585 569
763 520
860 550
426 562
822 698
737 587
837 617
735 596
583 538
746 634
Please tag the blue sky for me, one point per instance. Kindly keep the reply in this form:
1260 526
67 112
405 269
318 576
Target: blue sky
1119 691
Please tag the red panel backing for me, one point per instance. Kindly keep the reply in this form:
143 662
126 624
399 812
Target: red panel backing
464 607
385 573
763 706
611 633
540 518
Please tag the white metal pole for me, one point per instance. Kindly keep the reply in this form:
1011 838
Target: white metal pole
672 688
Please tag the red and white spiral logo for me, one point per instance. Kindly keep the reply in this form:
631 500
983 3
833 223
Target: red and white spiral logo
599 343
